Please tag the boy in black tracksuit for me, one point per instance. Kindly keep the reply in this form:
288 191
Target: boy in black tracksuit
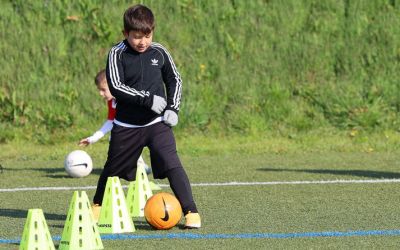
147 86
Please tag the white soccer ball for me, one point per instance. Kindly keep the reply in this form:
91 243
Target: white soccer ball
78 164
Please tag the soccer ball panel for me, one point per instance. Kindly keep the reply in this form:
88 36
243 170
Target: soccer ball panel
163 211
78 164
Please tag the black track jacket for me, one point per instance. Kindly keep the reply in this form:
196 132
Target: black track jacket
134 78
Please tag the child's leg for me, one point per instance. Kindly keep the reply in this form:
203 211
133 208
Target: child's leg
166 163
101 186
179 183
123 152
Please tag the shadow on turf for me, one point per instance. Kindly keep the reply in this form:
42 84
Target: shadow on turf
142 225
355 172
56 173
20 213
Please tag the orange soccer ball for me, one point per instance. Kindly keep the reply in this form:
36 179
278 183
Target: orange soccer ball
163 211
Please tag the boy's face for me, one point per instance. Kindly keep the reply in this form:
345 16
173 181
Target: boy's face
104 91
138 40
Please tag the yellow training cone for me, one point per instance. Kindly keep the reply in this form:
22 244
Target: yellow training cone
153 185
80 230
36 234
114 215
138 193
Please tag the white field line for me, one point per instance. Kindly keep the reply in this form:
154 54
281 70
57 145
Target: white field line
234 183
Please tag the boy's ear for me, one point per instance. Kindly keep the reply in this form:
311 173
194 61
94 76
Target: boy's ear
126 34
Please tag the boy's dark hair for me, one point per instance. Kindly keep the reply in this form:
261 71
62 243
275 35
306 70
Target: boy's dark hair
139 18
100 77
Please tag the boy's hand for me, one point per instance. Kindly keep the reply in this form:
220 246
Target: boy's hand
84 142
170 118
159 104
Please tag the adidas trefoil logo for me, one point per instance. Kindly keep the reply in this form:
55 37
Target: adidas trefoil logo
154 62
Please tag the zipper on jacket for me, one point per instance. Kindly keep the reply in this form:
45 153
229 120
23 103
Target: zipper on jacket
141 70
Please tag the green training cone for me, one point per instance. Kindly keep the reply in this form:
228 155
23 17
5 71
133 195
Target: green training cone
153 186
36 234
138 193
80 230
114 215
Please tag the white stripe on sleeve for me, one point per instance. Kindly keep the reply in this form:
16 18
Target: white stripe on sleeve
178 90
114 73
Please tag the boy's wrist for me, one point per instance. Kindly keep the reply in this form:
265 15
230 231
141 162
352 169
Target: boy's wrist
95 137
148 102
172 109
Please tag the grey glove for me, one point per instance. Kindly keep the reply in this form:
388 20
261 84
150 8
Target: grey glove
159 104
170 118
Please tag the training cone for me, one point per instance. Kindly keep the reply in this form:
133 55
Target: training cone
138 193
153 186
114 215
36 234
80 230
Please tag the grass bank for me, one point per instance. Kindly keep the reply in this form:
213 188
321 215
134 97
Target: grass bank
248 68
